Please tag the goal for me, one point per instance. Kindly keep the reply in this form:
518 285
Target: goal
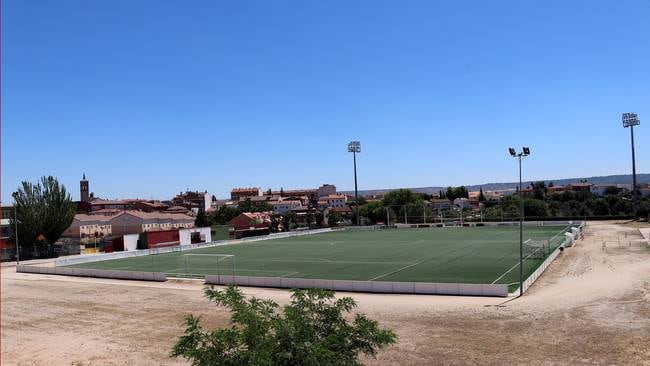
198 265
535 249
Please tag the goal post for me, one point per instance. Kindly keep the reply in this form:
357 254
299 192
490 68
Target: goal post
536 249
202 264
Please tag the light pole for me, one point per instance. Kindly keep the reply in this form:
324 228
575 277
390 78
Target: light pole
355 147
16 234
630 120
519 156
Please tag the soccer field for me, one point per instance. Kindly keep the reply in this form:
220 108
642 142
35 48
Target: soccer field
479 255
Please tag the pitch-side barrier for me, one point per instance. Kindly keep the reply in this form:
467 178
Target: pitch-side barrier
96 273
462 289
569 239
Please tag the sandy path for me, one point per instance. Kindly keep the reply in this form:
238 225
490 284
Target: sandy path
591 307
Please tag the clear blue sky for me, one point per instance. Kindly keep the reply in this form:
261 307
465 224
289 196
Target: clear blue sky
151 97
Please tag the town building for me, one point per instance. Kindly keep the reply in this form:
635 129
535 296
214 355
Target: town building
441 204
326 190
149 205
84 187
7 245
193 201
102 204
89 226
238 193
580 187
125 222
285 206
334 200
250 224
133 222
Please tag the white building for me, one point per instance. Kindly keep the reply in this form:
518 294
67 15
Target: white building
195 235
282 207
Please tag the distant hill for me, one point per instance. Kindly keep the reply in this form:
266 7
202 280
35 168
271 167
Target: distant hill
606 180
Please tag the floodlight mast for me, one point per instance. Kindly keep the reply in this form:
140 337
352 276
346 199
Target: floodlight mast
525 152
355 147
630 120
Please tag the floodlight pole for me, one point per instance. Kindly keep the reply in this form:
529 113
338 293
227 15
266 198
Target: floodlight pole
520 156
16 235
521 234
630 120
356 190
354 147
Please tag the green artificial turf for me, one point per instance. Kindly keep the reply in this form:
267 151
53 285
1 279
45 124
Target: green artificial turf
453 255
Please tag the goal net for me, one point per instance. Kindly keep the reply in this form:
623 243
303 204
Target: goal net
535 249
198 265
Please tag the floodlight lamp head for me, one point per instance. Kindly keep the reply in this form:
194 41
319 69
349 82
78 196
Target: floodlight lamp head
630 119
354 146
512 151
526 151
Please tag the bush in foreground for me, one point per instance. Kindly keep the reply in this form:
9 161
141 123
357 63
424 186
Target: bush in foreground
311 330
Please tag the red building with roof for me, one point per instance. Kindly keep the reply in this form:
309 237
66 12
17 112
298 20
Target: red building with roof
250 224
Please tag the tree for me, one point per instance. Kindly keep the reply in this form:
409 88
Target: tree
59 209
481 196
201 219
535 208
44 208
456 192
539 189
224 214
290 220
401 197
29 211
333 218
312 330
309 219
319 217
373 211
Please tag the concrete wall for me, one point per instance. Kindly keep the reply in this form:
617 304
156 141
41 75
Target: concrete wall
462 289
570 238
97 273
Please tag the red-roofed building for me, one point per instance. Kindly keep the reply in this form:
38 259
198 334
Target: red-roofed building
580 187
238 193
250 224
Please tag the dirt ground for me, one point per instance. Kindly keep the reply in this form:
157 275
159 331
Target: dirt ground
592 306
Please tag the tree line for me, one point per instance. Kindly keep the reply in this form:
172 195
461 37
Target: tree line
541 204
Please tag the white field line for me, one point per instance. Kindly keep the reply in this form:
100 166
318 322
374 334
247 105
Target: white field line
395 271
511 268
516 264
320 261
505 273
289 274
